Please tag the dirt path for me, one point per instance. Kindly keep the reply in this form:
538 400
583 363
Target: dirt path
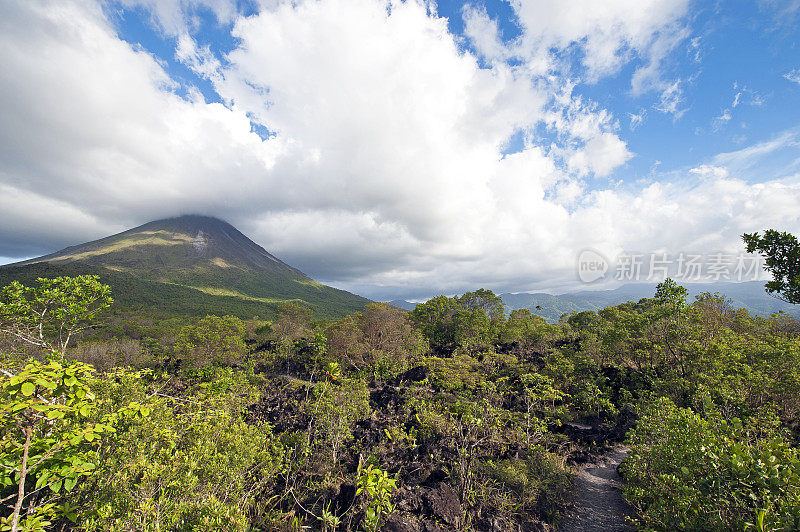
598 498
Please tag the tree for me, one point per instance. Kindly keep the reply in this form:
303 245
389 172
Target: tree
486 300
381 339
782 254
292 322
338 403
212 340
671 296
538 391
470 321
50 314
435 318
49 438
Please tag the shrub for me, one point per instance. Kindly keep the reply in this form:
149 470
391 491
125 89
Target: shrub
688 472
336 405
213 340
188 466
50 439
377 486
523 486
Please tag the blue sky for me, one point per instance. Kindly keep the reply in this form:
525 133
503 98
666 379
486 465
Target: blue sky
401 149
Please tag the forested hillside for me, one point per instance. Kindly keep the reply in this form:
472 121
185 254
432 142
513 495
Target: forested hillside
451 417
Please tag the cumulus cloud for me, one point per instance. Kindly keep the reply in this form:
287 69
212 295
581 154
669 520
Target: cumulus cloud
385 172
606 32
709 171
605 36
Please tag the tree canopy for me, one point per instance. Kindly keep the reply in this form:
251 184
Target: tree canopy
781 251
48 315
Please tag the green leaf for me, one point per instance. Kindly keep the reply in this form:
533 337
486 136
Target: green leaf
28 388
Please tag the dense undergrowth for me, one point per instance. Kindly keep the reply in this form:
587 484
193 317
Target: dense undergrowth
455 416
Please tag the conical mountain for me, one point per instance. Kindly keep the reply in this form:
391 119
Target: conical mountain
190 265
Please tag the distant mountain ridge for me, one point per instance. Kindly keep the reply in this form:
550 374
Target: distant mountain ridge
190 265
749 295
402 304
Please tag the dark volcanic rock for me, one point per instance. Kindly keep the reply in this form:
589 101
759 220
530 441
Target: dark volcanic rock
419 373
443 503
402 523
500 524
430 526
344 499
410 500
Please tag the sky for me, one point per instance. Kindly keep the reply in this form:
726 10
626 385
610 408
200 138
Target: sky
405 149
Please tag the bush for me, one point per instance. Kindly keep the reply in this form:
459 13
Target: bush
690 472
188 466
521 487
213 340
336 405
51 435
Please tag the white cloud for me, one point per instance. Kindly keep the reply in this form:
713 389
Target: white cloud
785 11
637 119
671 100
708 171
744 160
793 76
745 95
606 32
484 34
600 155
718 121
200 59
385 172
603 36
181 17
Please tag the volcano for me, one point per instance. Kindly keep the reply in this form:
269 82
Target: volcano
190 265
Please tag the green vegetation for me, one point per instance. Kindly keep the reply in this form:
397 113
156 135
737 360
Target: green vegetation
213 340
51 435
454 416
139 296
692 471
782 252
50 314
378 488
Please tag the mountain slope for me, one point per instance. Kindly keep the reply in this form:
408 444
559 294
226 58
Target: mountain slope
190 265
